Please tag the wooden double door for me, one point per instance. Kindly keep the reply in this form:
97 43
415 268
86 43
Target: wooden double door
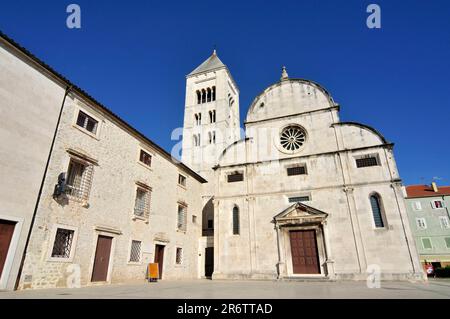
304 252
6 234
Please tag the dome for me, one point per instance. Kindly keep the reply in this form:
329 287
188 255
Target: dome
289 97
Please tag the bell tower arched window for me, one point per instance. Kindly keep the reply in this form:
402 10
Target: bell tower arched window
203 96
212 116
199 97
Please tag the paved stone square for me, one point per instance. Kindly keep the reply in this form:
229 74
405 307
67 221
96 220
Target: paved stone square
434 289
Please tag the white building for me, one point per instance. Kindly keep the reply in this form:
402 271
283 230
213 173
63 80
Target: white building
87 199
303 194
126 203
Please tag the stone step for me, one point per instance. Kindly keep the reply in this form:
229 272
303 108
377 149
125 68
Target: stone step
307 279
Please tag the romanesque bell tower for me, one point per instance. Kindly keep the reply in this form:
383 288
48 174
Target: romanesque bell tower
211 116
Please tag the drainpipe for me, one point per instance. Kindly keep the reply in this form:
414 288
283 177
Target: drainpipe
33 218
445 205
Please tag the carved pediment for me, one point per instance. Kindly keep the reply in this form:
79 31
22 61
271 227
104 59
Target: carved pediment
161 237
300 214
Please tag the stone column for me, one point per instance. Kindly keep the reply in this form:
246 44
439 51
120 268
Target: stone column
329 262
281 265
362 262
216 272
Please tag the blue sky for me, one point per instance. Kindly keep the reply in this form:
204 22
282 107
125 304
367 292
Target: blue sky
133 57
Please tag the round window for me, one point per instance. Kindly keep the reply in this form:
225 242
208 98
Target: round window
292 138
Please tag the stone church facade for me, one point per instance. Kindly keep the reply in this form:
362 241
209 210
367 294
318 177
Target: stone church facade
301 195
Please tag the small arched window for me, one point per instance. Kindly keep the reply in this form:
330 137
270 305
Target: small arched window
203 96
375 203
199 97
197 140
209 94
213 93
236 224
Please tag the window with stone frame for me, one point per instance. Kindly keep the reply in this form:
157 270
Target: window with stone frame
377 211
142 201
421 223
447 242
367 161
182 180
135 251
87 122
179 256
297 199
235 177
426 243
444 222
145 158
182 217
79 178
236 221
436 204
62 245
296 170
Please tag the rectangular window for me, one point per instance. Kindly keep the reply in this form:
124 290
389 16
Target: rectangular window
63 243
367 161
142 202
444 222
437 204
297 199
87 122
297 170
182 180
235 177
194 219
145 158
179 256
421 223
417 206
181 217
447 242
79 178
135 252
426 242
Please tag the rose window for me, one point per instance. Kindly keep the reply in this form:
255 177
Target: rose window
292 138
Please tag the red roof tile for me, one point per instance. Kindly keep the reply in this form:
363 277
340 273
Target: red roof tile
426 191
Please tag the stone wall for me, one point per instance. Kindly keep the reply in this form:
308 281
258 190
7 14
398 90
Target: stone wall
109 209
29 107
333 183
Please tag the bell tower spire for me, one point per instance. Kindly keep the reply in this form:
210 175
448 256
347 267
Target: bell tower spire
211 115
